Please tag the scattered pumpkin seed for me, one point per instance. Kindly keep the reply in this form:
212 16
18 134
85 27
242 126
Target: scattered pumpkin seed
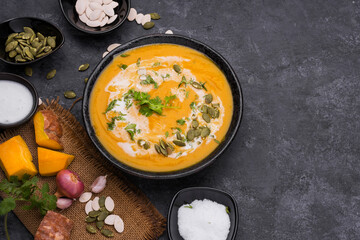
18 58
89 219
51 74
162 144
211 112
28 71
190 135
12 53
206 117
100 224
102 201
164 151
179 137
29 30
86 80
171 146
217 113
40 36
70 94
205 132
177 68
102 216
10 38
84 67
204 109
197 132
107 233
155 16
196 85
148 25
208 98
179 143
90 229
146 145
94 214
11 46
51 42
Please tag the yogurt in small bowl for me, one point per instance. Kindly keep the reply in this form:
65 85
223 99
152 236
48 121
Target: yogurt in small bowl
18 100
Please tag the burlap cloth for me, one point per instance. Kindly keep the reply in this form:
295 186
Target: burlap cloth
142 220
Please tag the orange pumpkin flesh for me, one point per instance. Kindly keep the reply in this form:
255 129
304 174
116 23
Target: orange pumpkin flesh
48 130
51 162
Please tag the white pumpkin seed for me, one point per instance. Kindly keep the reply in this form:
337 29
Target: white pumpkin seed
99 1
139 18
142 71
85 197
95 6
88 207
102 16
83 18
80 6
104 21
108 10
88 11
113 46
132 14
106 1
109 220
119 224
95 23
113 4
95 204
146 18
112 19
169 32
95 15
109 204
104 54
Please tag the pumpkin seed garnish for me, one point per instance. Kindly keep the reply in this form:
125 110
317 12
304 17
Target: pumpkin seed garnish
146 145
177 68
102 216
155 16
190 135
107 233
164 152
206 117
11 46
100 224
94 214
84 67
196 85
86 80
102 201
51 74
211 112
89 219
179 137
148 25
70 94
205 132
163 144
197 132
157 148
28 71
90 229
51 42
179 143
208 98
194 123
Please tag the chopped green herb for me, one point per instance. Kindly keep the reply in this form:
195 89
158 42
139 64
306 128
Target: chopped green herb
155 72
183 81
187 94
138 62
227 210
110 106
180 121
203 85
167 134
217 141
188 206
124 55
168 99
149 80
122 66
166 76
156 64
131 129
178 155
193 105
111 125
176 128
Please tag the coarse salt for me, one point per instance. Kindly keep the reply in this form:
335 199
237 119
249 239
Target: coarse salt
203 220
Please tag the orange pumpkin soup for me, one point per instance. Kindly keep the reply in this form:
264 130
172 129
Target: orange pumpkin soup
161 107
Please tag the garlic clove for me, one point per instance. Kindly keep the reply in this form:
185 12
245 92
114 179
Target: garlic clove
109 204
85 197
99 184
64 203
109 220
113 46
139 18
145 19
88 207
112 19
119 224
132 14
169 32
95 204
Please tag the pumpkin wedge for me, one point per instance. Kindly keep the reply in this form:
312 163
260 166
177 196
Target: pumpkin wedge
48 130
51 162
16 159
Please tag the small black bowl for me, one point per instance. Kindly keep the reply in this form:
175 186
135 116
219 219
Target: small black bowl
188 195
28 85
182 41
68 9
38 25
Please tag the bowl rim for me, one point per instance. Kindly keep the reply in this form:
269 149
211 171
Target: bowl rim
236 210
148 174
34 94
96 32
37 59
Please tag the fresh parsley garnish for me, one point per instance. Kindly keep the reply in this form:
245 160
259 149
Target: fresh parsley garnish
227 210
111 125
156 64
168 99
183 81
217 141
124 55
166 76
167 134
110 106
180 121
122 66
193 105
138 62
188 206
149 80
131 129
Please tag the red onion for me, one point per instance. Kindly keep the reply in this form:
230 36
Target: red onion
68 184
63 203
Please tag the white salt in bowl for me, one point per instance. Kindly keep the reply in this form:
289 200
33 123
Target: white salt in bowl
188 195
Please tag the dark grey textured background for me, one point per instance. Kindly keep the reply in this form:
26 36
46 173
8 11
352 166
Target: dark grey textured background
294 165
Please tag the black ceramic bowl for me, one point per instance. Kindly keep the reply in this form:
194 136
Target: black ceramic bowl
38 25
179 40
28 85
68 9
188 195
